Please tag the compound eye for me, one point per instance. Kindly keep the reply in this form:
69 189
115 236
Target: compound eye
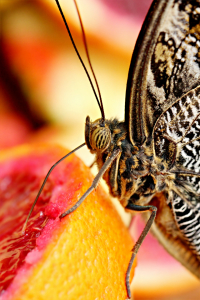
100 138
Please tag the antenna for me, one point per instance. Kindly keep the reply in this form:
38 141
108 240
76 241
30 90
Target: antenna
100 102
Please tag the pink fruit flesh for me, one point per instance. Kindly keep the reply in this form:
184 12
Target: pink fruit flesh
20 181
15 206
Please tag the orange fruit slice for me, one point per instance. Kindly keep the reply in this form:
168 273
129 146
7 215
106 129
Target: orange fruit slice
83 256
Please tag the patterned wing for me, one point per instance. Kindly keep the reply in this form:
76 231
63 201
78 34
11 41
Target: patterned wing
188 220
176 137
163 107
165 64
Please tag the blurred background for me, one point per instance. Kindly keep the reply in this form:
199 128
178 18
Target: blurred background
45 97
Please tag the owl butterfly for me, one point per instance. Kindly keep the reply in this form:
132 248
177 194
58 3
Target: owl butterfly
151 160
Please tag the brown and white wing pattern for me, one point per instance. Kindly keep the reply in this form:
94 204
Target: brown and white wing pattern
165 64
188 220
162 110
176 140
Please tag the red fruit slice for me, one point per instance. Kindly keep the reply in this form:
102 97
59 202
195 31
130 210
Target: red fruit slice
91 247
20 179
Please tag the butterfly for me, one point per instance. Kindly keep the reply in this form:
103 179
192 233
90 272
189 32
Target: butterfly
151 160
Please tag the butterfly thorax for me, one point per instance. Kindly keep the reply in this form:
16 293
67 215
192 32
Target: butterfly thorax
133 176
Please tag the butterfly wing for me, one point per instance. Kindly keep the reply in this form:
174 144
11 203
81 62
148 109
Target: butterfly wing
176 137
162 107
164 66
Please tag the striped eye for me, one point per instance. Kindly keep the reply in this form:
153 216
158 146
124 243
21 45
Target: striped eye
100 138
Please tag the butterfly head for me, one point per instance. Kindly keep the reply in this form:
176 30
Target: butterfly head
97 135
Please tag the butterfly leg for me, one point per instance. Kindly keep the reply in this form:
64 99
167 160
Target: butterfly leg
95 182
137 245
43 184
92 164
